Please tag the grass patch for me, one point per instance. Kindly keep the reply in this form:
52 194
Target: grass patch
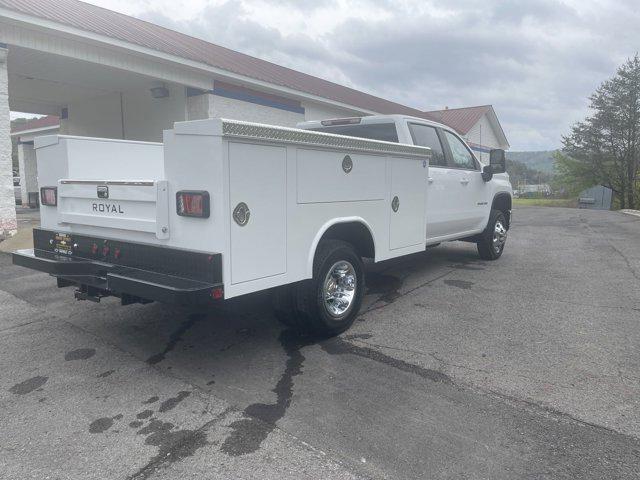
545 202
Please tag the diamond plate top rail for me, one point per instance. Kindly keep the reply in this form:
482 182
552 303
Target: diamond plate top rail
258 131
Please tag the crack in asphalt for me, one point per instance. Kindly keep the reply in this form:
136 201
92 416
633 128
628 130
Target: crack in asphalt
338 346
531 405
374 306
631 268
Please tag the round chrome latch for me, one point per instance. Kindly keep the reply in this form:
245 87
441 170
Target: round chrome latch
395 203
347 164
241 214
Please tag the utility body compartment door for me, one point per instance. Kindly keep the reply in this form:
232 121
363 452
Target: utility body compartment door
257 179
407 202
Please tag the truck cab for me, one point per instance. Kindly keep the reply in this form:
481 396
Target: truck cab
461 191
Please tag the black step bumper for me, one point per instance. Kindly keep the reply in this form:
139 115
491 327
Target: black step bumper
138 271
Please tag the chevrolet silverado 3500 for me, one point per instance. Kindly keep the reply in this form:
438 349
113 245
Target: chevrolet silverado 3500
224 208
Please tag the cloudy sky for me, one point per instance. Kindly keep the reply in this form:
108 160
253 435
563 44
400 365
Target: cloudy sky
535 61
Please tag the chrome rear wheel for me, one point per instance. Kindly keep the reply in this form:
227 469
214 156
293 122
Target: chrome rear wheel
339 289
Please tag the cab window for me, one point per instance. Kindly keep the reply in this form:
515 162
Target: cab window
373 131
426 136
460 154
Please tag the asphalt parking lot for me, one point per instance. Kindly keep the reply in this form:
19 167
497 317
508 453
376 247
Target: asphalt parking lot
528 367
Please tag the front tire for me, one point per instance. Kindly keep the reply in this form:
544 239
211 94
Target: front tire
492 241
329 302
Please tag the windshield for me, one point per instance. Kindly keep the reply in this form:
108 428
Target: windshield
373 131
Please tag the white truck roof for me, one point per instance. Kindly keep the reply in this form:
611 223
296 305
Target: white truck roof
368 120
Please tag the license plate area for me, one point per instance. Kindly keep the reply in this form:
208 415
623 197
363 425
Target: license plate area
63 244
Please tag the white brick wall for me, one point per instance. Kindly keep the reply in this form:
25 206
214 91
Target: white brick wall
251 112
198 107
8 222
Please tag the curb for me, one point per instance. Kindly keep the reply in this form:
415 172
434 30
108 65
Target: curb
635 213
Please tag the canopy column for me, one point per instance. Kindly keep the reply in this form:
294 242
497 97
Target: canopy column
8 222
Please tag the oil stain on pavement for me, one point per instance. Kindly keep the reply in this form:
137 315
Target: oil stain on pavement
28 385
175 337
387 286
463 284
464 263
260 418
100 425
170 403
173 445
103 424
79 354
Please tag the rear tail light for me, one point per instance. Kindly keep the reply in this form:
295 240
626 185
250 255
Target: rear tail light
49 196
192 203
217 293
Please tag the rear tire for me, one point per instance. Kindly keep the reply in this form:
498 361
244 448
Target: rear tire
283 303
491 242
328 303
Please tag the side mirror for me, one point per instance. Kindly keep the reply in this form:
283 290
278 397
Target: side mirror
487 173
497 161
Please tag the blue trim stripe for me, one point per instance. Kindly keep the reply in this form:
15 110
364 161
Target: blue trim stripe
258 100
480 149
194 92
3 45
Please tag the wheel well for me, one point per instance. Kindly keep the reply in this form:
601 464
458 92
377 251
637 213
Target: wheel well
355 233
502 202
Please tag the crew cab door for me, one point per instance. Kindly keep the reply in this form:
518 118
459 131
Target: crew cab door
441 216
468 194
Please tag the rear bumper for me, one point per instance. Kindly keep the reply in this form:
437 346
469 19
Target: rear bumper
167 275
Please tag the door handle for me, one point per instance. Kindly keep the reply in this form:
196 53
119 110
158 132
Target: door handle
464 181
430 179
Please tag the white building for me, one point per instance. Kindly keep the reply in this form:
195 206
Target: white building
479 126
25 134
110 75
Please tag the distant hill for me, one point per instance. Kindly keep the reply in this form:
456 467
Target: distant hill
542 161
520 173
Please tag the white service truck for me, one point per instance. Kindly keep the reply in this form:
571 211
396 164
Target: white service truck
224 208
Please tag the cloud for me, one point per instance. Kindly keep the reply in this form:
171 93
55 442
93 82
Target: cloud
536 62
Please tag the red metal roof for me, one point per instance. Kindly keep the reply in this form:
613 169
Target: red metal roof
460 119
37 123
115 25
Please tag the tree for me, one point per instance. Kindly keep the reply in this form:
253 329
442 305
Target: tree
604 148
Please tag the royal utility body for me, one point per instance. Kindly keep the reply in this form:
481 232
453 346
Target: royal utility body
224 208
